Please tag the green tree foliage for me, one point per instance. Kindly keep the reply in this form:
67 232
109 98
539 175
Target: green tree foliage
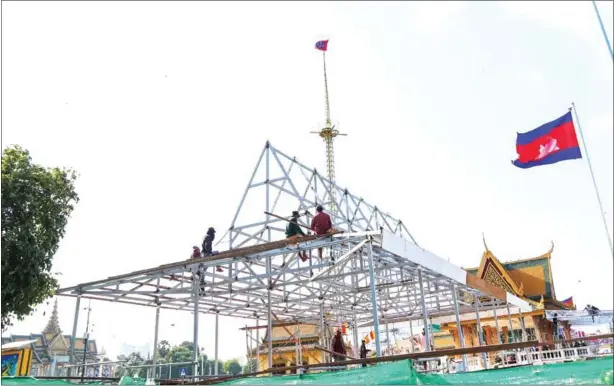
36 205
251 366
163 348
177 354
134 359
232 367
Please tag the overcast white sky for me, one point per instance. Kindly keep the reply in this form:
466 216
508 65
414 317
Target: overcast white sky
164 107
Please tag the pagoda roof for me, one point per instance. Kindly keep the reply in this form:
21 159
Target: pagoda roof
530 279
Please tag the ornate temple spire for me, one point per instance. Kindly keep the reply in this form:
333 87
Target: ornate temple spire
53 326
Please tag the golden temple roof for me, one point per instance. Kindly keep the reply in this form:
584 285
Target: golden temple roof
530 279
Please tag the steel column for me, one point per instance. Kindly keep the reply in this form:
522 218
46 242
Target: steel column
355 321
217 334
322 329
155 353
196 287
258 343
479 328
459 327
74 334
427 333
509 319
269 310
378 347
411 336
494 310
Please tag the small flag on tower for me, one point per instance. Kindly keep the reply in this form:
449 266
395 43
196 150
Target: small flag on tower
548 144
568 302
322 45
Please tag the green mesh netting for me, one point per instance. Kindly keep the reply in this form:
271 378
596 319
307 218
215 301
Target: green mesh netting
596 371
132 381
35 381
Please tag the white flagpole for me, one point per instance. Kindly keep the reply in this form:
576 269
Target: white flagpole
605 35
590 168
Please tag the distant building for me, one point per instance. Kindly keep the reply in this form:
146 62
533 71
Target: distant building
529 279
52 344
285 350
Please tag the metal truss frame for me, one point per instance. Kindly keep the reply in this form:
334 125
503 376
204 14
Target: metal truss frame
357 280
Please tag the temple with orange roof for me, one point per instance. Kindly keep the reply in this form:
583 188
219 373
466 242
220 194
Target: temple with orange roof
529 279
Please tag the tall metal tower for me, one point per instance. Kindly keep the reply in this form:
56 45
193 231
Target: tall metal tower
328 132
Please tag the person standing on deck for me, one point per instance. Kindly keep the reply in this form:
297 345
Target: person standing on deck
338 346
321 225
363 352
208 246
294 232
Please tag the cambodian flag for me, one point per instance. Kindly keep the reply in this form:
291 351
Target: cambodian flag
548 144
568 302
322 45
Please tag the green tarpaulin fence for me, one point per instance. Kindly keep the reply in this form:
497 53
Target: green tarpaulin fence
589 372
34 381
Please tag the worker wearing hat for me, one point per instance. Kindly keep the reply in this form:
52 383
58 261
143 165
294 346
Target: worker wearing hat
208 246
294 232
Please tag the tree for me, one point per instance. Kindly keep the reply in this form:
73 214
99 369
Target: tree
181 353
134 359
251 366
163 348
36 205
232 366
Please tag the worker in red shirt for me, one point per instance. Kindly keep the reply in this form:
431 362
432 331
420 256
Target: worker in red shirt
321 225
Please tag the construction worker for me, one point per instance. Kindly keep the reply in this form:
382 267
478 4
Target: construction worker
321 225
294 232
363 352
195 252
208 246
338 347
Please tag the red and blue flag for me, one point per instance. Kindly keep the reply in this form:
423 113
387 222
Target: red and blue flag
568 302
548 144
322 45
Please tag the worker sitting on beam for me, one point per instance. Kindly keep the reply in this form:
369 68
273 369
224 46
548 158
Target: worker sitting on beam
294 233
321 224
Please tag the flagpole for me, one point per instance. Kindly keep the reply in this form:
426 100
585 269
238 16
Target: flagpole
605 35
590 168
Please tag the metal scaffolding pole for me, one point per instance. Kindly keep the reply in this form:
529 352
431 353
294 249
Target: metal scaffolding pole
355 321
296 345
509 319
196 296
378 347
74 334
217 335
459 327
427 333
387 337
494 310
258 343
322 329
479 328
155 353
411 336
270 311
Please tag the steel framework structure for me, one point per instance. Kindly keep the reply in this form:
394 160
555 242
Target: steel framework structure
373 272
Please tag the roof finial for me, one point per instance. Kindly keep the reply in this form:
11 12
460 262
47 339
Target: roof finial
53 325
551 248
484 240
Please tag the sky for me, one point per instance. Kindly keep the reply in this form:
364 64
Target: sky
163 109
